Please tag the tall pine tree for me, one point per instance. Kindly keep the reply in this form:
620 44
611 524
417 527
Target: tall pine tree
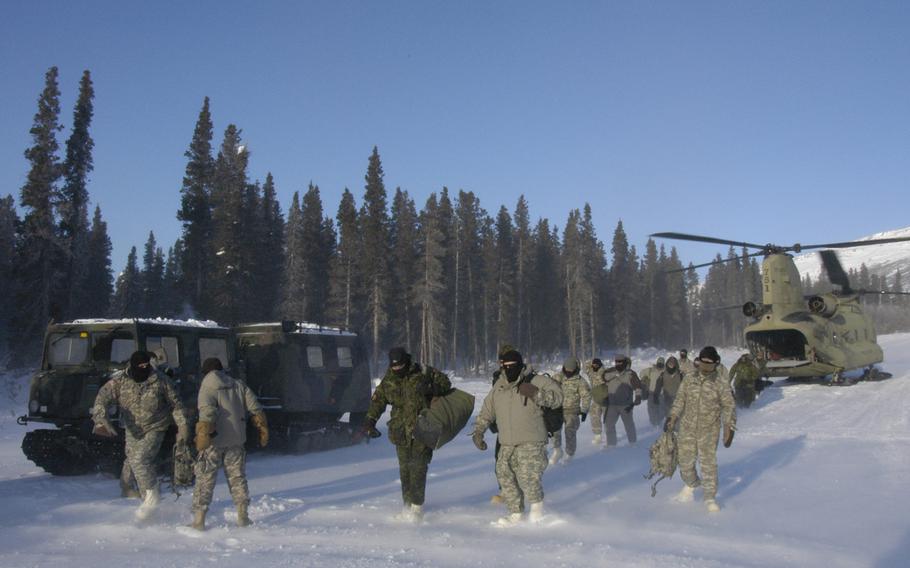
374 223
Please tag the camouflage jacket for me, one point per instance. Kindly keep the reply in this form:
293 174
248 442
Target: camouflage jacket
149 406
743 375
686 366
408 395
649 378
622 386
702 403
668 383
596 377
518 419
576 392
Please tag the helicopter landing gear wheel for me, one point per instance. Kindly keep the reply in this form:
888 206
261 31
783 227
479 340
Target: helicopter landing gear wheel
873 374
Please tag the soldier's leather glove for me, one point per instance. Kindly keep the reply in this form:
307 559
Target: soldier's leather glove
103 431
527 390
203 435
728 436
583 416
668 424
478 441
262 425
367 430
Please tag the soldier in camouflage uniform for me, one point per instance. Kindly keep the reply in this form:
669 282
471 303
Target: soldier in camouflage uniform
148 404
223 406
686 366
514 403
668 383
409 388
703 403
624 387
650 391
596 374
576 401
743 377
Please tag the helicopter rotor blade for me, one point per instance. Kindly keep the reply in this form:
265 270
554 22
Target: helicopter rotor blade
835 271
851 244
883 292
713 262
700 239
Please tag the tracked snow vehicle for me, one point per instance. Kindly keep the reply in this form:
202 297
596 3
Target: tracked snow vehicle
308 378
79 357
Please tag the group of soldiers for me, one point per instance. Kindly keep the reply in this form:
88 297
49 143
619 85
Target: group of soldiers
694 398
147 402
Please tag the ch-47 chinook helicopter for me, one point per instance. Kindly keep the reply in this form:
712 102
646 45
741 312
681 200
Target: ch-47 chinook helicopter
801 336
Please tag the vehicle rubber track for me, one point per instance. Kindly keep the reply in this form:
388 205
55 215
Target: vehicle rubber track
67 452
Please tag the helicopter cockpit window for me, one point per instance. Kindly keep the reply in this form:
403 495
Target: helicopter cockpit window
169 344
213 347
67 349
345 359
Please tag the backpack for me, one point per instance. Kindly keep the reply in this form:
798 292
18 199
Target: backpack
552 417
663 458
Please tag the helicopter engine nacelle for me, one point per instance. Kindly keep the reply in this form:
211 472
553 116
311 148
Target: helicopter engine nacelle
753 310
823 305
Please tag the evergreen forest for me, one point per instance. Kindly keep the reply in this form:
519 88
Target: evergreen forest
451 279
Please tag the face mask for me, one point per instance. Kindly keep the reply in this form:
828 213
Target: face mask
706 367
595 367
661 366
513 372
140 374
569 373
401 371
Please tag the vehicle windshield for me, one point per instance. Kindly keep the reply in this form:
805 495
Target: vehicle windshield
67 349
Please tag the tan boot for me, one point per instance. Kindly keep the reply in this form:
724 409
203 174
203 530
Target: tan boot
243 518
199 520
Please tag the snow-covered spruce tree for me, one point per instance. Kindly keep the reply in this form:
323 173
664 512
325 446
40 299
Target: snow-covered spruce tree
171 294
346 300
294 292
503 275
270 253
593 284
546 317
8 222
41 263
466 344
623 270
523 280
152 278
428 285
445 214
196 214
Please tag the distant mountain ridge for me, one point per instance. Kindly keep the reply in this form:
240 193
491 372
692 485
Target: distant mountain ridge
879 259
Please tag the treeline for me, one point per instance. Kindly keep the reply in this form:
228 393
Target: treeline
448 279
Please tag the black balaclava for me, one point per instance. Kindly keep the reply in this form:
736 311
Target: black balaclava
672 365
621 362
512 365
140 367
596 364
399 361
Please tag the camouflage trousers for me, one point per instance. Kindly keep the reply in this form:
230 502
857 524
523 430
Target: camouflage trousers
745 396
519 471
570 424
208 462
596 414
703 448
413 463
141 454
614 413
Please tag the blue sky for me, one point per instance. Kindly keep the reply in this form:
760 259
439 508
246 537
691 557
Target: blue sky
757 121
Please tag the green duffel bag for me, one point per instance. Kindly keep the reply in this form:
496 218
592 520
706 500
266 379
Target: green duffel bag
444 419
600 394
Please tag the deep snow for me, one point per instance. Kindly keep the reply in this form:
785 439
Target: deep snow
817 476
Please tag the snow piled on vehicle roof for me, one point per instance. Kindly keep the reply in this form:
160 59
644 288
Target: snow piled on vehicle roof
304 327
159 321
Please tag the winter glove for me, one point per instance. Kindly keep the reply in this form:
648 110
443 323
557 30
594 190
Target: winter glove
262 426
583 416
104 430
629 408
203 435
728 436
668 424
527 390
368 430
477 437
637 398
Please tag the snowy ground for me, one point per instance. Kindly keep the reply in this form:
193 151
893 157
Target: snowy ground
817 476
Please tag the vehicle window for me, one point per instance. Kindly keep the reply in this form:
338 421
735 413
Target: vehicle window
314 356
344 357
169 344
112 347
67 349
213 347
